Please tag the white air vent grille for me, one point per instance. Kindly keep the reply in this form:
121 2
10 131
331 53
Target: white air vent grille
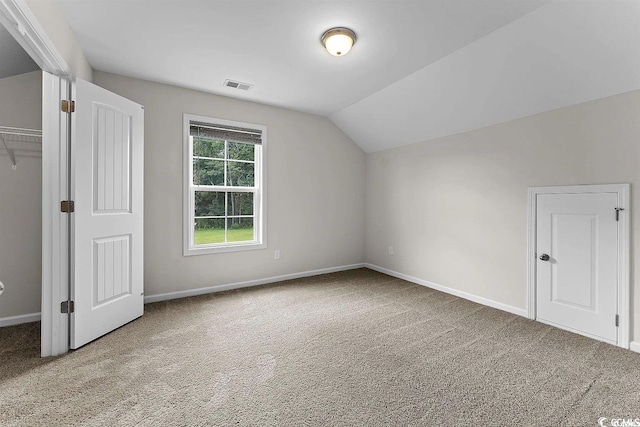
237 85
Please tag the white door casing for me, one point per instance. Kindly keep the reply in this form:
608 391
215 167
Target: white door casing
107 231
584 283
22 24
55 224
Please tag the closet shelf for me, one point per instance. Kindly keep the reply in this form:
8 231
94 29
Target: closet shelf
21 142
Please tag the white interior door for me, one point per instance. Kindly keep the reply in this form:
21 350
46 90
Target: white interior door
577 265
107 230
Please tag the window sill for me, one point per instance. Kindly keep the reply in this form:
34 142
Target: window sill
205 250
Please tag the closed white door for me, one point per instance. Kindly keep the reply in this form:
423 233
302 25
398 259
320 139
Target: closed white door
576 274
107 229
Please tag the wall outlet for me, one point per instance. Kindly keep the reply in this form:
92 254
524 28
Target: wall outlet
390 250
276 254
1 288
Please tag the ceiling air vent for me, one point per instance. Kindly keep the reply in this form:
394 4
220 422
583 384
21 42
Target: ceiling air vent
237 85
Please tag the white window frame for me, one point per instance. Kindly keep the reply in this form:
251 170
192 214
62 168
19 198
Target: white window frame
259 208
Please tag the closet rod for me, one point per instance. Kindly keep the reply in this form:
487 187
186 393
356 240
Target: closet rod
20 131
19 135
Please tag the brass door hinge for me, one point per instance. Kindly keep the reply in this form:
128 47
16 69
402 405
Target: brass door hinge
67 307
68 106
67 206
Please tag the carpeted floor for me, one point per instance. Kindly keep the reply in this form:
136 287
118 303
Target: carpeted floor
351 348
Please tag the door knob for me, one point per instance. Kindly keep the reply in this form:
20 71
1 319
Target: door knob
544 257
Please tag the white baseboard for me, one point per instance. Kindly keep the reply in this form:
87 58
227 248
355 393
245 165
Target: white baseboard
471 297
16 320
248 283
635 346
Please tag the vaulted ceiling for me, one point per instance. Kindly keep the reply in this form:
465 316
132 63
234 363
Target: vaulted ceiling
419 70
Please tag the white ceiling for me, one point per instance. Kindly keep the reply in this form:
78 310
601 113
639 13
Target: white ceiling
562 54
13 59
420 69
275 45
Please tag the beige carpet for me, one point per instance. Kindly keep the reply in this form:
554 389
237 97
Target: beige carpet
351 348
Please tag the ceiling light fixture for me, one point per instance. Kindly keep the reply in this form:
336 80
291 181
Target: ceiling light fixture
338 41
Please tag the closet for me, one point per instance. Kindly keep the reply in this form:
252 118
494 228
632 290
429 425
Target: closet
20 197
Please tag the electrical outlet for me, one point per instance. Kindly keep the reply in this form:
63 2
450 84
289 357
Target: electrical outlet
1 288
276 254
390 250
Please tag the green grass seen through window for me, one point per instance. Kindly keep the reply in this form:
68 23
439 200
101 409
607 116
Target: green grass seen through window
207 235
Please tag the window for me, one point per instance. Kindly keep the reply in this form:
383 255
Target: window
224 178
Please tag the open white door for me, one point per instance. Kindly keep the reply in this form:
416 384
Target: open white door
107 229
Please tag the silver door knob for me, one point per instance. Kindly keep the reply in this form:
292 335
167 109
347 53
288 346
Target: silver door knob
544 257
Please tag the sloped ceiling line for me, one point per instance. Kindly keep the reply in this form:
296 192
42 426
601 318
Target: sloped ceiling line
561 54
420 69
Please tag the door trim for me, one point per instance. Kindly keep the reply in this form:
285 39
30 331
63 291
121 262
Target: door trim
622 191
22 24
55 224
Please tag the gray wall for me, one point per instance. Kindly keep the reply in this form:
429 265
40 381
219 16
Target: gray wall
454 208
21 201
315 187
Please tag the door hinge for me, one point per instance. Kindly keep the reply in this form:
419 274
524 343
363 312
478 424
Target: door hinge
617 320
67 206
68 106
66 307
618 213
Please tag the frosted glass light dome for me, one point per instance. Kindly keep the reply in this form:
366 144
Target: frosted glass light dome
338 41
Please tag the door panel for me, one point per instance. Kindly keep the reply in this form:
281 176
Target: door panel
574 240
111 156
577 285
107 182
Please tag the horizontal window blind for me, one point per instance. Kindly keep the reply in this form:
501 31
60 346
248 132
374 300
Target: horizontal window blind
228 133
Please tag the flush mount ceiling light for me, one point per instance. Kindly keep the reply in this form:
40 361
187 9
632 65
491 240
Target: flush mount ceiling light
338 41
